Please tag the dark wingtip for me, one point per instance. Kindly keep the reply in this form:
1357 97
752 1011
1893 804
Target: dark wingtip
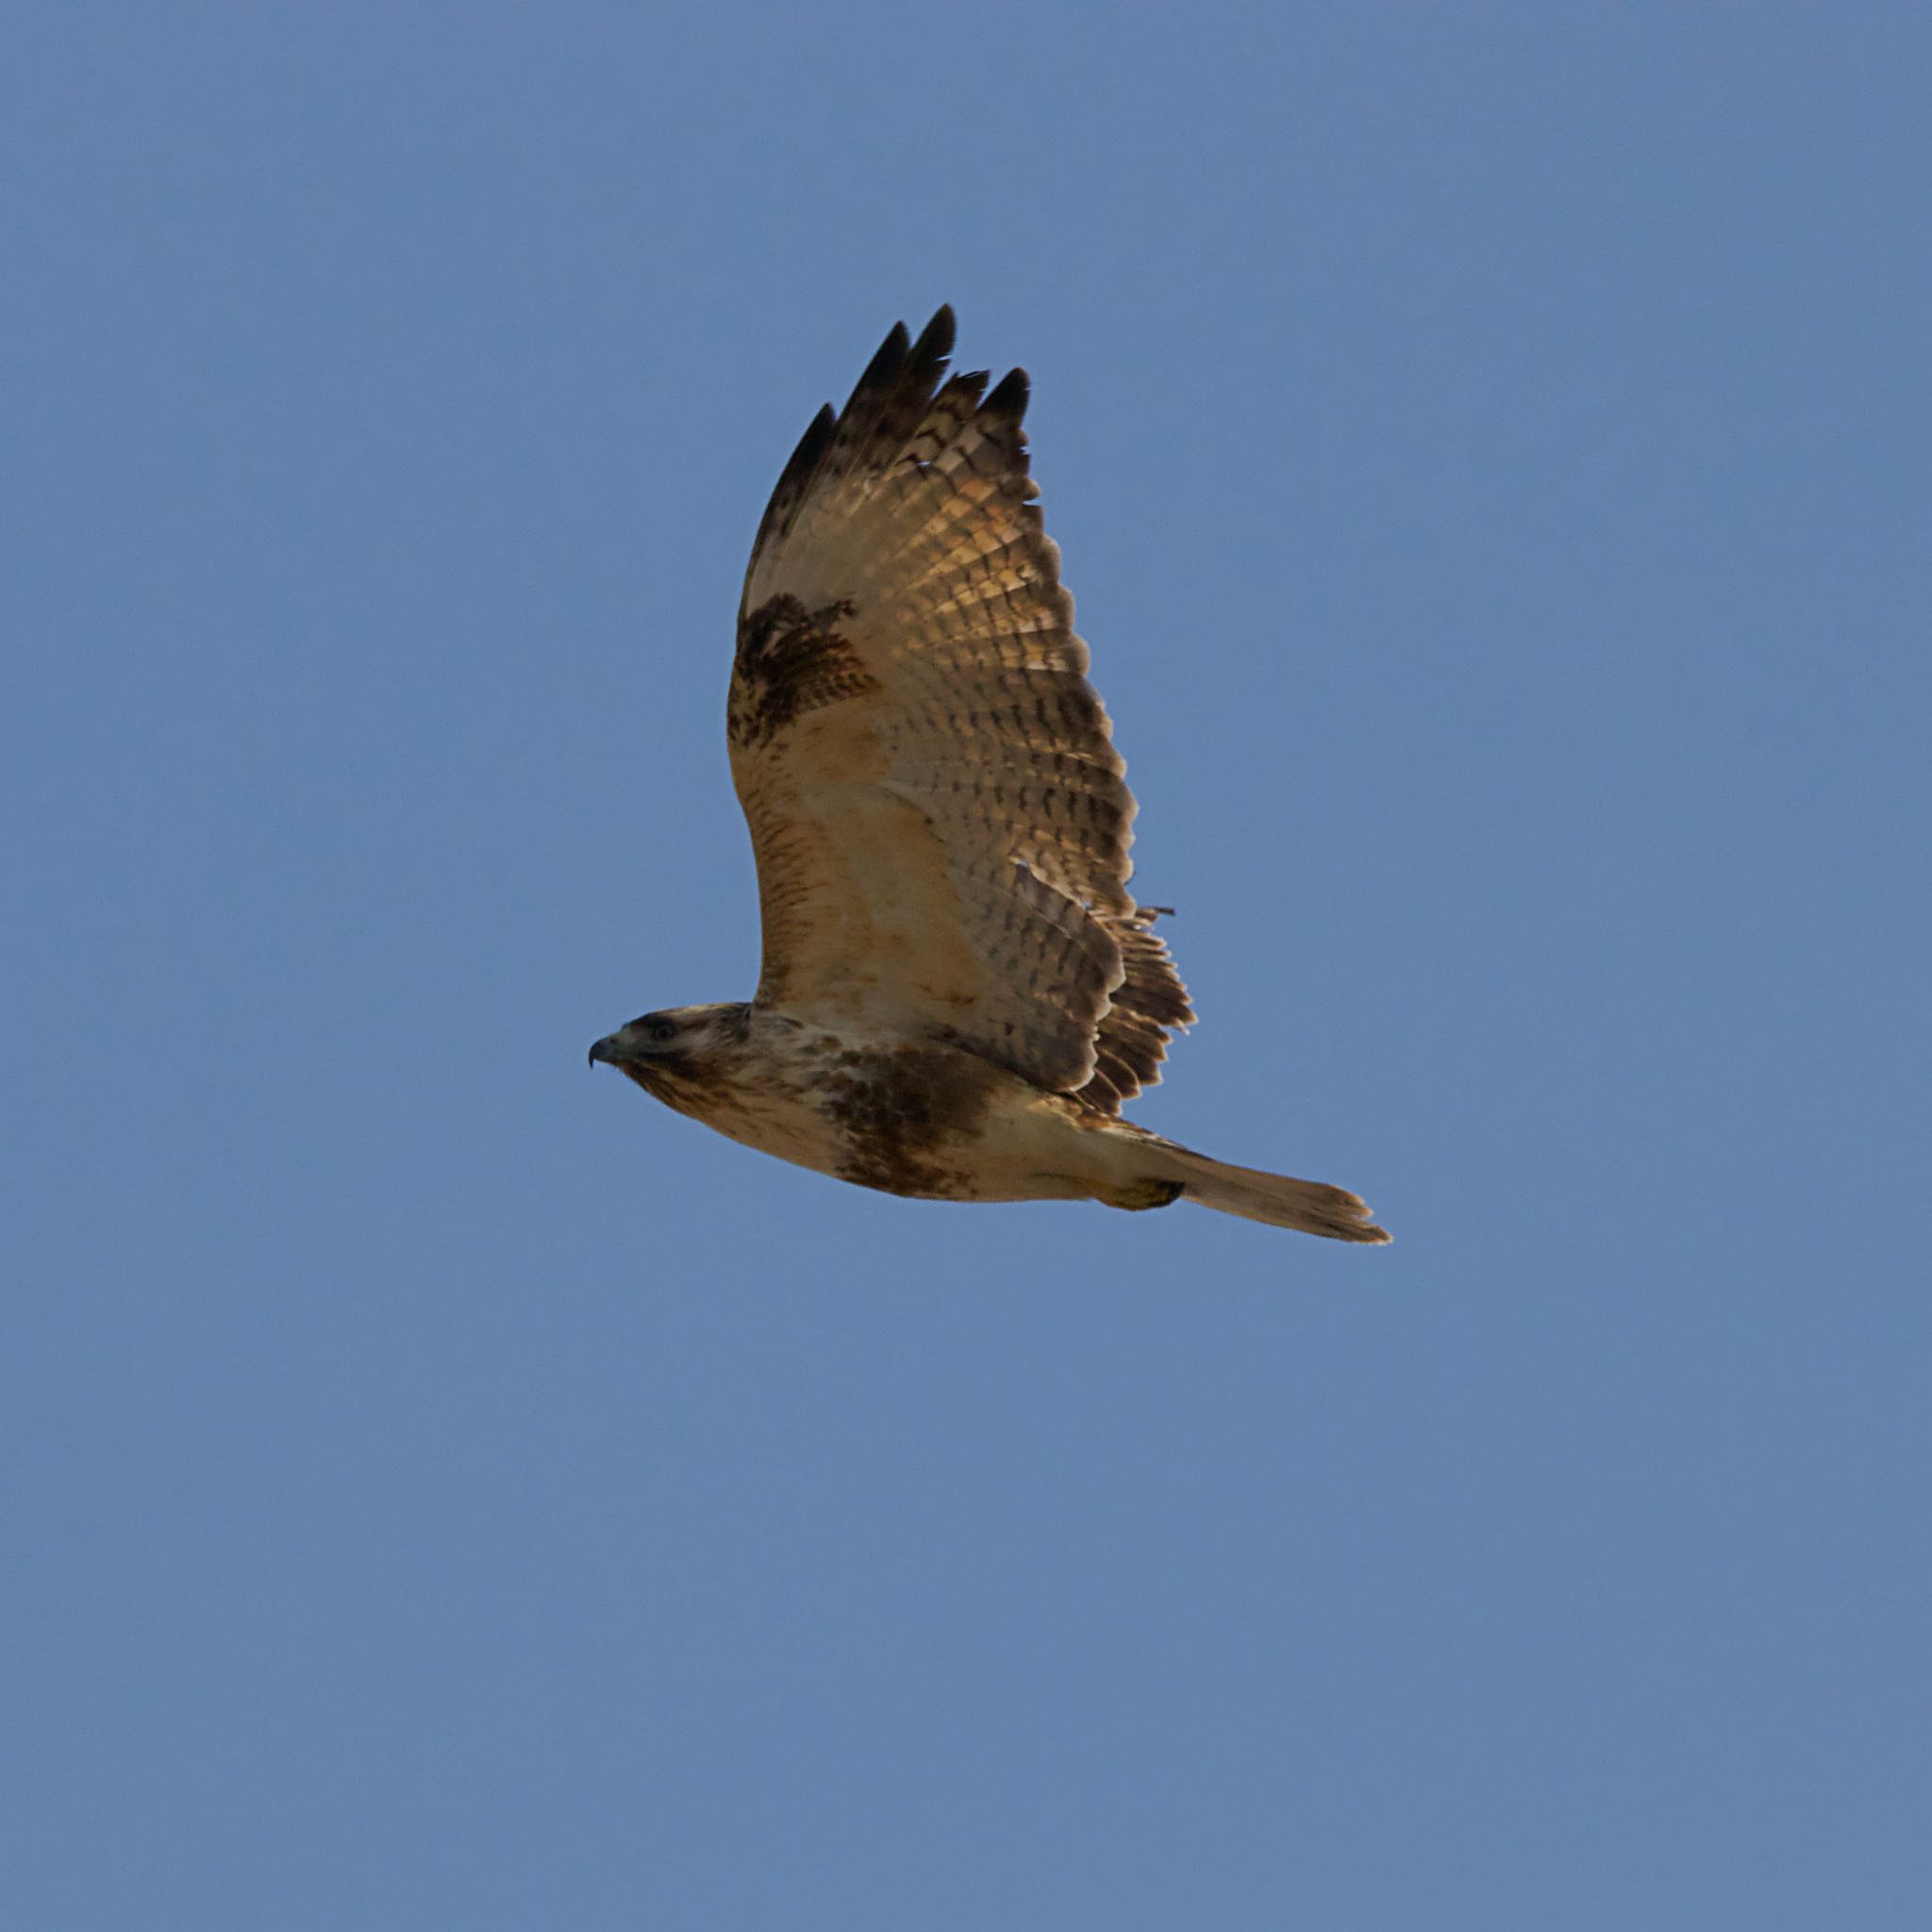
1010 395
811 446
936 339
883 367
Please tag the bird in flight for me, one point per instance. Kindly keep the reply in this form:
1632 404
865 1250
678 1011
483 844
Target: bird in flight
957 991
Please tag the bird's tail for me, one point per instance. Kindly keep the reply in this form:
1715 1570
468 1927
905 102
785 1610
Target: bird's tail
1312 1206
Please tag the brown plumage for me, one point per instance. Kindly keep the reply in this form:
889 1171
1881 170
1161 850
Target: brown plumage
958 992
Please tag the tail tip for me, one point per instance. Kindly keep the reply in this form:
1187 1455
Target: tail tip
1353 1220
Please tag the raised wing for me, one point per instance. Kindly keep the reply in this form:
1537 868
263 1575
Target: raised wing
940 819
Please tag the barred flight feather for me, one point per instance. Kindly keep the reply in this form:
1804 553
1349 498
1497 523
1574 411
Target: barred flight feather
939 817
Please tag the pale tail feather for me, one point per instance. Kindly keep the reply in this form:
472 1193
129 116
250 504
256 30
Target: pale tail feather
1312 1206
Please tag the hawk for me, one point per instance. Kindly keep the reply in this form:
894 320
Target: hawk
957 991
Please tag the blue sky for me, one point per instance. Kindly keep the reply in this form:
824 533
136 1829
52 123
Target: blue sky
442 1489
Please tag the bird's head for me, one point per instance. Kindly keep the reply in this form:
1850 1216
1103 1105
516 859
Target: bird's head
678 1052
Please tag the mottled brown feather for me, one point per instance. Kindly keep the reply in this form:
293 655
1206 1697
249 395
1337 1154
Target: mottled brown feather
1148 1004
940 819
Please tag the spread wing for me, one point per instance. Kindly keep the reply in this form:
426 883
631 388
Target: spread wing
940 819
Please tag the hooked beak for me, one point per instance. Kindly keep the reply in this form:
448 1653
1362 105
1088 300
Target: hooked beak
605 1050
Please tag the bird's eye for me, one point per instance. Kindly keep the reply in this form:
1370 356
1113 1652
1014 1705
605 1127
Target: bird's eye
659 1028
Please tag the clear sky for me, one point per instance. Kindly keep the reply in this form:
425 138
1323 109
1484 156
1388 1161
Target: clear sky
443 1489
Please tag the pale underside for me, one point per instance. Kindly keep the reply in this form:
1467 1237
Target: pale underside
940 819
